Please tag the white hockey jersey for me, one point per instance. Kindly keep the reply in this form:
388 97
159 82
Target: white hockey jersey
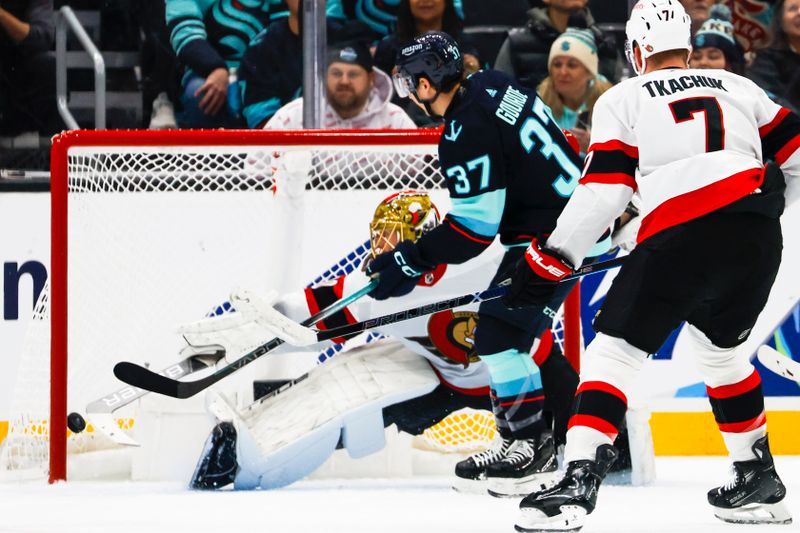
445 339
696 139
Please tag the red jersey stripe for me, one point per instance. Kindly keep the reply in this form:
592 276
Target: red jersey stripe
630 151
545 347
603 426
763 131
468 236
611 178
744 427
788 149
479 391
602 386
694 204
517 402
728 391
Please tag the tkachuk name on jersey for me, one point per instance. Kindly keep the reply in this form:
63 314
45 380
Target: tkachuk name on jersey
682 83
511 105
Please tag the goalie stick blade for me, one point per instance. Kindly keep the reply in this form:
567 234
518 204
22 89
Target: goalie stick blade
782 365
138 376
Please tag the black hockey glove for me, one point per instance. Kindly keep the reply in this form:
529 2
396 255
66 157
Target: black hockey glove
398 271
536 277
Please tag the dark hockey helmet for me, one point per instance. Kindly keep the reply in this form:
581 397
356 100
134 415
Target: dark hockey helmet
433 55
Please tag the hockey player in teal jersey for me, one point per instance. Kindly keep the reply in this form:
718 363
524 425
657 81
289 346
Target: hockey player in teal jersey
509 171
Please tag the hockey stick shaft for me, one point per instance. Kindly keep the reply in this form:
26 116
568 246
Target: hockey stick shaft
491 293
781 364
144 378
488 294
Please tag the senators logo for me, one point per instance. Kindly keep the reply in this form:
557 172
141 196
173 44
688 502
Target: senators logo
453 336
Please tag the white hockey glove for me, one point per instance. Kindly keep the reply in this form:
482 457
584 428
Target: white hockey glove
253 323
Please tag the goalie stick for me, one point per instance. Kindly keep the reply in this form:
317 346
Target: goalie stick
781 364
99 412
144 378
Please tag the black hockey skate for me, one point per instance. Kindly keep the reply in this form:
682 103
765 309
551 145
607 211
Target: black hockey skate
755 492
471 472
217 466
564 507
530 466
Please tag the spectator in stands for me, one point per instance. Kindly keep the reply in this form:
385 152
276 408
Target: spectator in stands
381 16
27 68
777 69
209 38
574 85
271 71
159 66
415 17
715 46
526 51
698 11
357 95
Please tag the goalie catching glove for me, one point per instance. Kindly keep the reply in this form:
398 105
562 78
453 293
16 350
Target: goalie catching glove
398 271
536 277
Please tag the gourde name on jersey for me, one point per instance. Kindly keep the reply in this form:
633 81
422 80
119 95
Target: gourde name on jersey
510 169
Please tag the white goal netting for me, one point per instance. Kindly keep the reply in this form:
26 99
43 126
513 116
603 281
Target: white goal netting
162 226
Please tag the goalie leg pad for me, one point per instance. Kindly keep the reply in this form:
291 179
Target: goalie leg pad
288 436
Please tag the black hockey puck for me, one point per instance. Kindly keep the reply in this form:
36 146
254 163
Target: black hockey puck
75 422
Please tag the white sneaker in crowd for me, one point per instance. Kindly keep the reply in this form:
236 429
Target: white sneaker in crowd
163 116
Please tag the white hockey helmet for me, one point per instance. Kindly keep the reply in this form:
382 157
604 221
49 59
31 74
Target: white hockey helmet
657 26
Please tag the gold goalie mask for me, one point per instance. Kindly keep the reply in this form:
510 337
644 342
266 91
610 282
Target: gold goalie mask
401 216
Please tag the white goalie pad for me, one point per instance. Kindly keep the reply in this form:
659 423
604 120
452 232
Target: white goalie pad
253 323
287 436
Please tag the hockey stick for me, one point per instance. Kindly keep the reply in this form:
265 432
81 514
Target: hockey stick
144 378
98 412
138 376
781 364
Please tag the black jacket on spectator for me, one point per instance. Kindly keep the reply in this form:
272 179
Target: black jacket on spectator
37 13
272 72
526 50
777 71
27 72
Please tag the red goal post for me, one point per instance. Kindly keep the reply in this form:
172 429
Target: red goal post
65 146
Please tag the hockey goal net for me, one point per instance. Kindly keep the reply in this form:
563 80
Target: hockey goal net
150 229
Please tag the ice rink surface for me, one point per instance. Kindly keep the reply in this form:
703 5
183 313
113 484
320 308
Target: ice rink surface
675 503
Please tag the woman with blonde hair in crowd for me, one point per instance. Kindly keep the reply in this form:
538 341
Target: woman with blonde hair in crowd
573 85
